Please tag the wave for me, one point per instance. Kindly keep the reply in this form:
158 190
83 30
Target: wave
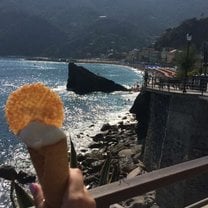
59 88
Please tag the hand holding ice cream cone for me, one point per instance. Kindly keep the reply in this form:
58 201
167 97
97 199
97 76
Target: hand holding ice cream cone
75 196
35 114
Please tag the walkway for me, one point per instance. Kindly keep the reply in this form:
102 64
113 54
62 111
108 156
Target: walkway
176 90
193 86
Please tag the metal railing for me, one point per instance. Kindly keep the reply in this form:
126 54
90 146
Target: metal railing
122 190
194 85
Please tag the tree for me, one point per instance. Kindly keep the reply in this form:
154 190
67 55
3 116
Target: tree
185 61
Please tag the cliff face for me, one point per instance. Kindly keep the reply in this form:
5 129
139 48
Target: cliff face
82 81
175 131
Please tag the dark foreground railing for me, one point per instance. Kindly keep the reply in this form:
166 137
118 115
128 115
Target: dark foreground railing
198 204
125 189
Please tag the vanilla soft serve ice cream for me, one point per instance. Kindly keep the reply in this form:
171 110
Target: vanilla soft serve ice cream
37 134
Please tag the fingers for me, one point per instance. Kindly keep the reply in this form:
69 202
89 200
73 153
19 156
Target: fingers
76 180
37 195
77 195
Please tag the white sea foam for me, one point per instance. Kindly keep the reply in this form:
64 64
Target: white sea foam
59 88
86 129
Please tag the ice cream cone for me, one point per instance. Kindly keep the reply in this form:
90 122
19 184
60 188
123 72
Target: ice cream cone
51 165
35 114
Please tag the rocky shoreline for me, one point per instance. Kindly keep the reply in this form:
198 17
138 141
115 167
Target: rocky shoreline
117 149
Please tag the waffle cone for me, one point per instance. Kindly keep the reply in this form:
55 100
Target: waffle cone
34 102
51 165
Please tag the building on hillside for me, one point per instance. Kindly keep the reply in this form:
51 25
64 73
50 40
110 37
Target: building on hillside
168 55
152 56
144 55
164 55
133 56
148 55
171 56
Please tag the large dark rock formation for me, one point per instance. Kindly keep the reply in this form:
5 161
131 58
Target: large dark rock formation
173 128
82 81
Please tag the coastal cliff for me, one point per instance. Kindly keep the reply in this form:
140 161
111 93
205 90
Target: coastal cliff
173 129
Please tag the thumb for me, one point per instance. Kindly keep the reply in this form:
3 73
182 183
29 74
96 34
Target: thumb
37 193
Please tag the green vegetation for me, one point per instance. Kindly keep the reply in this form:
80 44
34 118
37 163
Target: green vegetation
73 156
187 62
176 37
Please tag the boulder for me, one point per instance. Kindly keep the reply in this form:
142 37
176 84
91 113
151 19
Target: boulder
82 81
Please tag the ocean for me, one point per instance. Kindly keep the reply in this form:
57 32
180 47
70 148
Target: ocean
84 114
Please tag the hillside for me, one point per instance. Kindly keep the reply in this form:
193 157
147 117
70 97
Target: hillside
80 28
22 34
176 37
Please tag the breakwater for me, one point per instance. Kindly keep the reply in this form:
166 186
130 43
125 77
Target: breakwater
173 128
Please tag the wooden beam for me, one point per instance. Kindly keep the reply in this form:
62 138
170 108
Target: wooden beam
125 189
199 204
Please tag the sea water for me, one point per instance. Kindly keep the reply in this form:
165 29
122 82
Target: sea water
83 113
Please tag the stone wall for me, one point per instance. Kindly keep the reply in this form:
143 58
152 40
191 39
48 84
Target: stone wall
176 130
